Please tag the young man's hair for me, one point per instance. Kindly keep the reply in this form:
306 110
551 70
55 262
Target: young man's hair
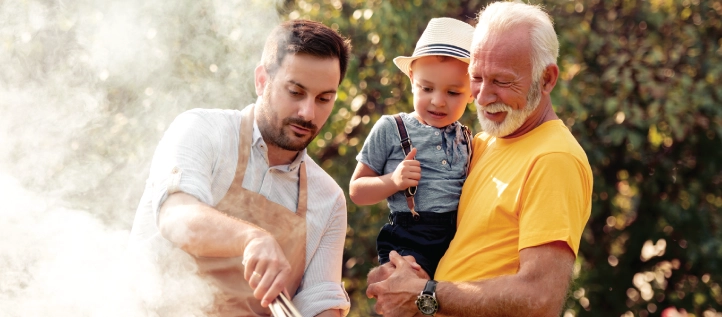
304 37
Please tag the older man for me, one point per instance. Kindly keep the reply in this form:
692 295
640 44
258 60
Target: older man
528 197
237 191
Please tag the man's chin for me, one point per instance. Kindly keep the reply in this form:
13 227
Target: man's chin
512 122
292 141
492 128
294 146
295 143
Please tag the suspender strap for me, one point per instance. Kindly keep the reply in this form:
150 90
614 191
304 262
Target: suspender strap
406 148
467 137
405 141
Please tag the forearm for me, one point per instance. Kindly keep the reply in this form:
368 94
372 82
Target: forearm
537 289
202 230
513 295
370 190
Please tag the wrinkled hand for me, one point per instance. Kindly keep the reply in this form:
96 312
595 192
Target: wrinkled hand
382 272
266 267
396 295
408 173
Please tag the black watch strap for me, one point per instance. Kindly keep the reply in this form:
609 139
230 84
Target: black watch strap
430 287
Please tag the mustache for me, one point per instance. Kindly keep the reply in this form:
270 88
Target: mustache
300 122
495 107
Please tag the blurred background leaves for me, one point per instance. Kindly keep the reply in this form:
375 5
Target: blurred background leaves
640 89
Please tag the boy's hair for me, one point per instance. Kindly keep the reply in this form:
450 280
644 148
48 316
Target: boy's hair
304 37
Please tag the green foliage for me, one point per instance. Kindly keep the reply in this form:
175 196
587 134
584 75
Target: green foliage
639 91
639 88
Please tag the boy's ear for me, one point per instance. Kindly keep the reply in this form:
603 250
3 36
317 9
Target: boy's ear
411 77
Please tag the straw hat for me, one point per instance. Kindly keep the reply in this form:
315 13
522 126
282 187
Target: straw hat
443 36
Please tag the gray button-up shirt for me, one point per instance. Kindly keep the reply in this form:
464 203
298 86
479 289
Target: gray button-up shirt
443 155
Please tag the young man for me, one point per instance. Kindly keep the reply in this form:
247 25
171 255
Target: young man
527 198
238 192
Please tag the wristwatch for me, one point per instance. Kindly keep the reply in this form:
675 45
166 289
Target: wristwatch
426 302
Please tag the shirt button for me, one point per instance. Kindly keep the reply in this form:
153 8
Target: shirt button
436 133
443 162
438 147
175 170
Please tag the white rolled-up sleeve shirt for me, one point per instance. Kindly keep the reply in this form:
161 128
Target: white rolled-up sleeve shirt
198 155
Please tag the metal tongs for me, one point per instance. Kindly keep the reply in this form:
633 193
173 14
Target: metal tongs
283 307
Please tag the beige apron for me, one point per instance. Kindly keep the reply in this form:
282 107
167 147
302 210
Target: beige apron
289 229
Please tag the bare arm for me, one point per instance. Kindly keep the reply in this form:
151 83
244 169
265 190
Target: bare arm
538 289
201 230
368 188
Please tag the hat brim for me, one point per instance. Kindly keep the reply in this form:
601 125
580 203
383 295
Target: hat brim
404 62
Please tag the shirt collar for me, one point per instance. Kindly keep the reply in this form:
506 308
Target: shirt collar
260 144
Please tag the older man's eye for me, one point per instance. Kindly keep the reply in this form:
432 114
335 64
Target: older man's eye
503 83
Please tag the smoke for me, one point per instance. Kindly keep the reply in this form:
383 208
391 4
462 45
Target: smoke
86 90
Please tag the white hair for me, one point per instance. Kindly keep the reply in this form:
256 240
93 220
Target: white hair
503 16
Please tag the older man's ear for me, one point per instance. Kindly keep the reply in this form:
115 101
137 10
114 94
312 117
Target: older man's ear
549 78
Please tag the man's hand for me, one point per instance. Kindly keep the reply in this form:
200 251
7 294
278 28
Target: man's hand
396 295
408 173
266 267
382 272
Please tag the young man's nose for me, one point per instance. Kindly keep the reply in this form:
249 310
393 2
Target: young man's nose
306 109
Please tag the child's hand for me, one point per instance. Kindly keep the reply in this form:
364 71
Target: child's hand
408 173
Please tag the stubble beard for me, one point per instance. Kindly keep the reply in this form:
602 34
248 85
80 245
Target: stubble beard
514 118
277 133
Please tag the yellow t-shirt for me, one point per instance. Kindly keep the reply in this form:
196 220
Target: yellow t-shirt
522 192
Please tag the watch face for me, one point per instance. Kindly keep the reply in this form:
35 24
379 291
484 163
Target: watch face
427 304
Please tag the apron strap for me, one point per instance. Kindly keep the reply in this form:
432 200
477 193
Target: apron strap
247 120
302 191
244 144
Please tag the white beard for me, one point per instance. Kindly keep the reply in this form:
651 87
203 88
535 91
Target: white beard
514 118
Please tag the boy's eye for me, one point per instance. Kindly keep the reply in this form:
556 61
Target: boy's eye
426 89
454 93
295 93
